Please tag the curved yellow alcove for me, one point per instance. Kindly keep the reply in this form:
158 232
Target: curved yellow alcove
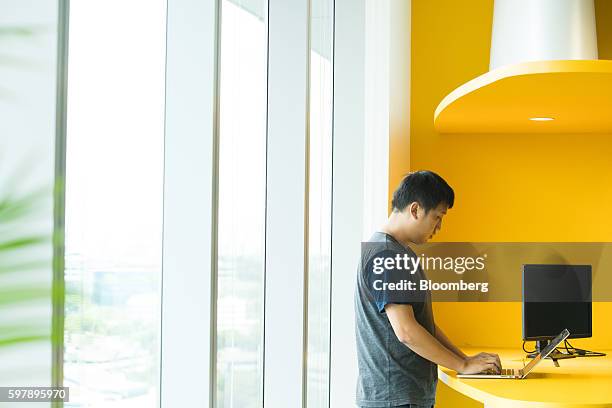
575 94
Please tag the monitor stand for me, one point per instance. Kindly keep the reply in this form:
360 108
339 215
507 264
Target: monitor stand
555 355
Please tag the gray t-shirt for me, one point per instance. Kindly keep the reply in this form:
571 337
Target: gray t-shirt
390 373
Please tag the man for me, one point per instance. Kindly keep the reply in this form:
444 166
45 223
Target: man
398 344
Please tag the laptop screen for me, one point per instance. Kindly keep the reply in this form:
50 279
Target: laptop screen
547 350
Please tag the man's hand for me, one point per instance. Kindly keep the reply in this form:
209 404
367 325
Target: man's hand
481 362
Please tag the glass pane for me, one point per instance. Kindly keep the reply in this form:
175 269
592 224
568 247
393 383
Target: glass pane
242 188
319 219
114 202
28 42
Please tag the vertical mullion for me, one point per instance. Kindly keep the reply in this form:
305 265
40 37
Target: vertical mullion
306 208
57 325
331 232
286 204
214 256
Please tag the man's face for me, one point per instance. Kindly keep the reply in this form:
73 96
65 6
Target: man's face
429 224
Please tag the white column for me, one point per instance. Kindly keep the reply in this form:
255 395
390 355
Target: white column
539 30
399 93
285 276
376 114
189 199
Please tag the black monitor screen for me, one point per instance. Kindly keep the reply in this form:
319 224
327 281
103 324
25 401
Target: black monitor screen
556 297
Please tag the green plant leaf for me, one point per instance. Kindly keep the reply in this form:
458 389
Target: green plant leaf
19 243
12 296
24 266
19 340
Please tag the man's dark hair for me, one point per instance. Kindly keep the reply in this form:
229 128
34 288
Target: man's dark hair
426 188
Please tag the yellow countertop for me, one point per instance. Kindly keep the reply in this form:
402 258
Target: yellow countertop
578 382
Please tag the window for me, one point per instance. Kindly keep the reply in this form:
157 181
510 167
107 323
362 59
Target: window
319 202
114 185
242 189
29 38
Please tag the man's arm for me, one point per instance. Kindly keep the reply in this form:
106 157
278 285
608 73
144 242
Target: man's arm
419 340
442 338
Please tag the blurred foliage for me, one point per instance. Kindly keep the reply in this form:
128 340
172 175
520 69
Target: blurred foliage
25 268
19 31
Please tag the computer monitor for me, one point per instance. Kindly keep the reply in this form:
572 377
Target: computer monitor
556 297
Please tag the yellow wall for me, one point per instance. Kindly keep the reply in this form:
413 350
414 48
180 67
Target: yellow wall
522 188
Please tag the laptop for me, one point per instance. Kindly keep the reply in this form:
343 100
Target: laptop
522 372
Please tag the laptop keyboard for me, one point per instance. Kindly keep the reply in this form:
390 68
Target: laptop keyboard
504 371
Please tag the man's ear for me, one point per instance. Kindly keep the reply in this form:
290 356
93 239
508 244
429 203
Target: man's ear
414 209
